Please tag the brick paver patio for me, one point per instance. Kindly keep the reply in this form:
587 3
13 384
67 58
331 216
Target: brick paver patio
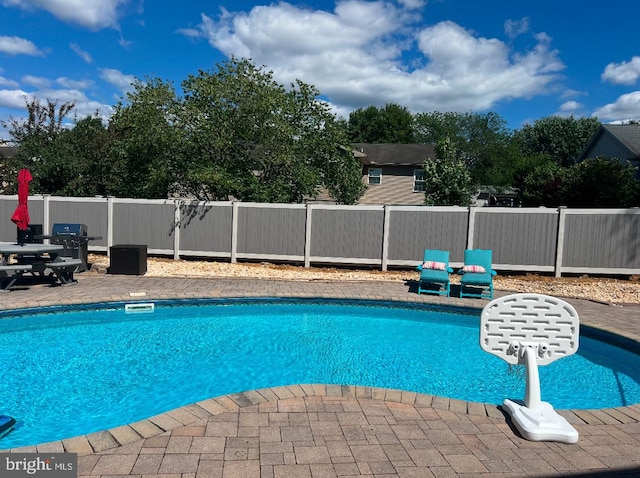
317 431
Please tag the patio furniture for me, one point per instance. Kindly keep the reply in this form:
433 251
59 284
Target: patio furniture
39 257
10 273
477 274
434 273
532 330
64 267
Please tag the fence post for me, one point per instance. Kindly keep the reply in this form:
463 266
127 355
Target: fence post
471 224
109 224
234 231
307 235
562 214
46 226
385 237
177 219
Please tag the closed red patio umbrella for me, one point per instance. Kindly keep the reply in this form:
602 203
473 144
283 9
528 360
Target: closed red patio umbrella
21 214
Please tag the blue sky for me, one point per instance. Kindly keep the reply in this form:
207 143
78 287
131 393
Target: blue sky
524 59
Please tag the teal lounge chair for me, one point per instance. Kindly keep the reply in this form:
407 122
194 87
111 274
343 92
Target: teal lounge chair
477 274
434 273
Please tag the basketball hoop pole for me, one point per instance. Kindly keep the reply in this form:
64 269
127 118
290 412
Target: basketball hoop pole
532 390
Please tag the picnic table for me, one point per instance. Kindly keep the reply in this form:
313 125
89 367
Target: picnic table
35 258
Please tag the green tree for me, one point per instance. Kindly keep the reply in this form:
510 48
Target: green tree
542 184
147 141
251 138
391 124
37 140
447 179
87 167
483 142
561 138
601 182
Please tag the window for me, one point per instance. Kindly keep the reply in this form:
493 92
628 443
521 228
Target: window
418 181
375 176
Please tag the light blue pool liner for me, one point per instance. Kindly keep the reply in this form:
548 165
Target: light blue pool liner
69 371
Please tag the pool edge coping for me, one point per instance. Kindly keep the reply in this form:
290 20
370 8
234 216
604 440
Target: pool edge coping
163 423
103 441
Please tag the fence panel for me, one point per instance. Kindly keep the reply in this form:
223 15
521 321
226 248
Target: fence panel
205 228
602 241
8 204
521 239
412 230
608 240
149 222
93 212
347 234
271 230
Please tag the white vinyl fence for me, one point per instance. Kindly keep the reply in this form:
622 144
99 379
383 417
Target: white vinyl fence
594 241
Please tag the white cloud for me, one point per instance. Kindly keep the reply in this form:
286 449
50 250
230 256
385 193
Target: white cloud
412 3
626 107
92 14
190 32
354 55
13 99
570 106
625 73
73 84
126 44
569 93
9 83
514 28
37 81
118 79
81 53
18 46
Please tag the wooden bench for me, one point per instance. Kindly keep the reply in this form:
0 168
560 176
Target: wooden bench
12 272
64 268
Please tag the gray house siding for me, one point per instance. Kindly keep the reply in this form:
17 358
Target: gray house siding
616 141
609 147
397 162
396 187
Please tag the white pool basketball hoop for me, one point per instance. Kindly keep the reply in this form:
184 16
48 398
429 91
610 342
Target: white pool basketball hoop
532 330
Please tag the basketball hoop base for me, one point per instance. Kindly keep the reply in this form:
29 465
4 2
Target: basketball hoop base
541 423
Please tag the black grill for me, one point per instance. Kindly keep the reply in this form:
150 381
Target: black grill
74 239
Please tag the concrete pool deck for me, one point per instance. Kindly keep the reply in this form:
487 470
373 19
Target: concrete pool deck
311 430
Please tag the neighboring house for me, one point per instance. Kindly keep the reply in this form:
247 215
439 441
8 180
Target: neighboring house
393 172
8 151
621 141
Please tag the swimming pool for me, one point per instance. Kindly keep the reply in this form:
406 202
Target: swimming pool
81 369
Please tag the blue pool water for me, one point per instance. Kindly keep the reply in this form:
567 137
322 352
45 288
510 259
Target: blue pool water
78 371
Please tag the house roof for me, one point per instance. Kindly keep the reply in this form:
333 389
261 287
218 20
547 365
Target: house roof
627 134
8 151
379 154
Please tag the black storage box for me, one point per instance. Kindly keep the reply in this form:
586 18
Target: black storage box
26 236
129 259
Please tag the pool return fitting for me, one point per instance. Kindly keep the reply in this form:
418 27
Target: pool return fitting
532 330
